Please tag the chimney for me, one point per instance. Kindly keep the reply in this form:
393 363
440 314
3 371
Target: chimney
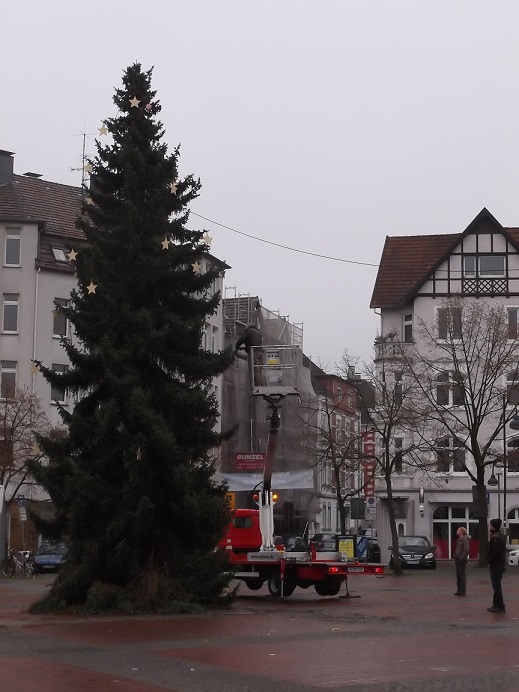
6 167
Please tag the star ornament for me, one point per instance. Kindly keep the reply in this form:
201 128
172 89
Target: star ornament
173 188
165 243
207 239
135 102
87 168
72 256
91 288
34 369
196 266
103 130
35 449
89 200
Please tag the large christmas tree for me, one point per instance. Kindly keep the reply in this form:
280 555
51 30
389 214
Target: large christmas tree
132 481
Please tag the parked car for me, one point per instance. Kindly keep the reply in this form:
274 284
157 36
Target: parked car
325 541
49 557
513 556
372 552
328 542
415 551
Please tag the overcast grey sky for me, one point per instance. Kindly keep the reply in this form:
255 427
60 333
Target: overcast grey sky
317 124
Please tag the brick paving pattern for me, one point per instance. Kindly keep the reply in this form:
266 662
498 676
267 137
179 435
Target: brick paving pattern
403 634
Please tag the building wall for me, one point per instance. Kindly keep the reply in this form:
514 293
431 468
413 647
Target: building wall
448 497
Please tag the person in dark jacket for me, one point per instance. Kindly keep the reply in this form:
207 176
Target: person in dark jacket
252 339
461 556
496 564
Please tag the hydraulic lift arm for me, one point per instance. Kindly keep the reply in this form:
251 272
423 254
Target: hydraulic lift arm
266 505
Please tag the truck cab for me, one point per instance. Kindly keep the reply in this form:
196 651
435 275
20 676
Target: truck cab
243 533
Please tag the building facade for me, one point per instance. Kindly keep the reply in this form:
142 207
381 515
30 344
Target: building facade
38 239
417 275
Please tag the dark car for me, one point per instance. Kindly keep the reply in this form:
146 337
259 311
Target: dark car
49 557
415 551
368 550
325 541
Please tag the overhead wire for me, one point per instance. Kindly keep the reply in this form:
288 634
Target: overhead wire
285 247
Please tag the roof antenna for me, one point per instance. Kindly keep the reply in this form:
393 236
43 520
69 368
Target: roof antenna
83 158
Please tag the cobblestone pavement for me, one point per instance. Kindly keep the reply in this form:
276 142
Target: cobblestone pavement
406 633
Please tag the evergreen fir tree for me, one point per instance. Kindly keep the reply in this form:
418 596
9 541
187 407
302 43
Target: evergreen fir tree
132 481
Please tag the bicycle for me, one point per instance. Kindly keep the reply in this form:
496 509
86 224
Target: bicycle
18 561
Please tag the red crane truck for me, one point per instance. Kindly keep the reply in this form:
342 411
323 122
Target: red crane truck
249 541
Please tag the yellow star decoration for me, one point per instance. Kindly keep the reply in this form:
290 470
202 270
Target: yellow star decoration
87 168
135 102
139 454
72 255
89 200
196 266
91 288
165 243
103 130
207 239
34 369
35 449
173 188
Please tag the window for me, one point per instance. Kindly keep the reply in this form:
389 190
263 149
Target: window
398 454
513 333
59 254
6 453
448 391
449 323
450 455
408 328
57 393
10 313
7 379
483 266
512 386
12 247
339 432
60 323
398 388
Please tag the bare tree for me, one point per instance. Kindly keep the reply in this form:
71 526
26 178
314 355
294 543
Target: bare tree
21 418
465 364
333 440
387 395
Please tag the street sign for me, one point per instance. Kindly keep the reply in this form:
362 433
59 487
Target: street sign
371 508
23 514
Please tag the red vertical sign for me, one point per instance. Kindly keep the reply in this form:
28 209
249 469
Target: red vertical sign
369 465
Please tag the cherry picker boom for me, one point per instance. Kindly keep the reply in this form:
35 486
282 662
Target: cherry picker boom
249 540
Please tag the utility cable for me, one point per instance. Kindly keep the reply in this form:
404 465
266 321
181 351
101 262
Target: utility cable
285 247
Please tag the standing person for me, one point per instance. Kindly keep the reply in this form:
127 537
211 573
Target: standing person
252 338
461 556
496 564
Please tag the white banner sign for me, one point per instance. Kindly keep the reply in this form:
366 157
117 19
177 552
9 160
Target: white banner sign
284 480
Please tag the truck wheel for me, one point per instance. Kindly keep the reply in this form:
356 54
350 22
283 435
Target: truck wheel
254 584
288 587
274 584
328 587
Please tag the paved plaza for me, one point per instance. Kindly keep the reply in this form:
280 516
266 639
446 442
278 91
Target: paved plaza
405 633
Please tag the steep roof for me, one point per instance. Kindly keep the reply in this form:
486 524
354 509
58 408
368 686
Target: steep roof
41 201
408 261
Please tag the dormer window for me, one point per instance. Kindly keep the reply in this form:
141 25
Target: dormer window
59 254
483 266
